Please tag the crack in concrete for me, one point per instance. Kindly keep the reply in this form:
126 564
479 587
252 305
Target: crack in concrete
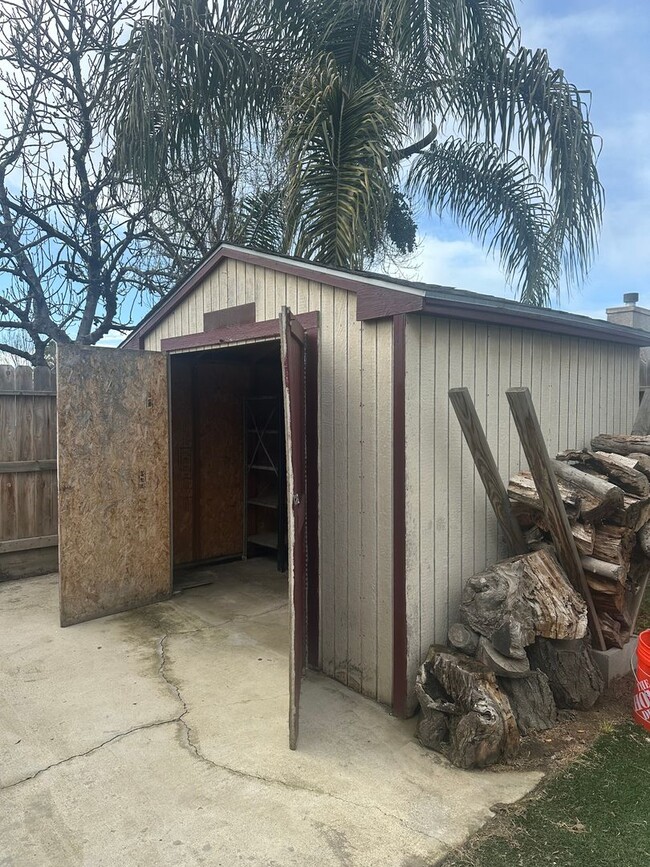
271 781
193 747
90 751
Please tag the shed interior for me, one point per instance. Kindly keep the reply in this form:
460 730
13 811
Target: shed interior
228 457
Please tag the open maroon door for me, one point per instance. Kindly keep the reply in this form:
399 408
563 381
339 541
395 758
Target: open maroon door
292 338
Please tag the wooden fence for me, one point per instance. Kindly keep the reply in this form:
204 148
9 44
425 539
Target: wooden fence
28 492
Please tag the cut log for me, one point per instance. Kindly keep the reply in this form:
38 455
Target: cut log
531 701
634 513
463 638
584 535
598 497
620 470
521 489
574 679
610 571
616 634
609 597
621 444
481 727
642 463
515 600
613 544
502 666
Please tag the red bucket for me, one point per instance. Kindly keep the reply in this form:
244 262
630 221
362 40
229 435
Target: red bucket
642 693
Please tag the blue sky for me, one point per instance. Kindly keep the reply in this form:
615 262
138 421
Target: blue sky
603 47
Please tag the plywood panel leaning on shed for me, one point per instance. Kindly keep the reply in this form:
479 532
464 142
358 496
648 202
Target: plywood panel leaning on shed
114 550
444 505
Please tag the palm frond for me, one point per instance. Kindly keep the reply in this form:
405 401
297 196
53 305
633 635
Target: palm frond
338 140
261 221
499 202
517 101
183 79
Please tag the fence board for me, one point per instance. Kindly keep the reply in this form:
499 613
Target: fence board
28 489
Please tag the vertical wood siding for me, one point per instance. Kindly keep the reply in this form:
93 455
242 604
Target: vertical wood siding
580 388
355 462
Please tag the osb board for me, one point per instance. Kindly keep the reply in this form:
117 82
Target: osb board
114 538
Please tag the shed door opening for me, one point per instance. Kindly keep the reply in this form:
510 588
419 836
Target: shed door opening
229 478
239 479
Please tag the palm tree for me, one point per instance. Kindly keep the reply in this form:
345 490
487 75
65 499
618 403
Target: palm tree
367 109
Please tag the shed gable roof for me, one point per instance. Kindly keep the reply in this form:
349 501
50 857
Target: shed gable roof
380 295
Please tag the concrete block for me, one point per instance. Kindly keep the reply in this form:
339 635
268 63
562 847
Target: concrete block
616 662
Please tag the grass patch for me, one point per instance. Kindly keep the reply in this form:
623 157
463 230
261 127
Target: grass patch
596 813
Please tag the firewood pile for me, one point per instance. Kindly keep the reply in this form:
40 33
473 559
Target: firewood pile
522 647
519 652
606 495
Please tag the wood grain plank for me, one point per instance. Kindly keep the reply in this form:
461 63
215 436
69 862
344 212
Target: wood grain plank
525 417
487 469
414 459
439 351
327 485
384 511
340 343
369 509
354 502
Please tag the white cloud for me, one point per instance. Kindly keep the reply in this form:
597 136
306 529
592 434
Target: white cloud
112 339
462 264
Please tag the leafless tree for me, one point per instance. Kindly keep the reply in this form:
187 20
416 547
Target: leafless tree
75 238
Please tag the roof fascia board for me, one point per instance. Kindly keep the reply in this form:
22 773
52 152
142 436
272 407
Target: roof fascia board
554 323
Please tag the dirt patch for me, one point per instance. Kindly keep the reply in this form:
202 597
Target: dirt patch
575 731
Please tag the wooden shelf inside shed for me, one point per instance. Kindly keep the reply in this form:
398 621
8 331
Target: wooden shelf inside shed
265 540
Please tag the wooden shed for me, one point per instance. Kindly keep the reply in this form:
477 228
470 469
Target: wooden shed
374 505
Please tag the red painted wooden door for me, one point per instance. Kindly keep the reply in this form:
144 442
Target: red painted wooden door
292 338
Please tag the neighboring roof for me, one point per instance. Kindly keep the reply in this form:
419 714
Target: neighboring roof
426 298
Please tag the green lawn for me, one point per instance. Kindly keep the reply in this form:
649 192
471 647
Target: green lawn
595 813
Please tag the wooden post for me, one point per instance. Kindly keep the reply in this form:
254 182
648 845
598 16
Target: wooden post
487 469
541 468
641 424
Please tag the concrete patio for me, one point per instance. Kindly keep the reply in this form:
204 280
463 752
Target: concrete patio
159 737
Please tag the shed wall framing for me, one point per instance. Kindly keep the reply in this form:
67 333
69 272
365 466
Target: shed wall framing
355 458
580 388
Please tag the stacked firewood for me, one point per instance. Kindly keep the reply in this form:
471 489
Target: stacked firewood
606 495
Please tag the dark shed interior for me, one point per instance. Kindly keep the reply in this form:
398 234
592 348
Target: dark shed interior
228 462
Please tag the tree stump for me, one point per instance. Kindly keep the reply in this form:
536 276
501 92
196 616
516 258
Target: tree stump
481 728
531 701
574 679
513 601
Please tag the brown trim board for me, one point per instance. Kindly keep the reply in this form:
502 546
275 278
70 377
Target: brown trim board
268 329
242 314
400 681
312 426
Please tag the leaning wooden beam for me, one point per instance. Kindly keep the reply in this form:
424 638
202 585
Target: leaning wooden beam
487 469
641 426
541 468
